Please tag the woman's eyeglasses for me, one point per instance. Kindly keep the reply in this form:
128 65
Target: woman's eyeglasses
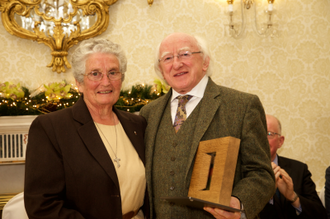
97 76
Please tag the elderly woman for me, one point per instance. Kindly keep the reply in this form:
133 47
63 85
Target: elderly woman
87 161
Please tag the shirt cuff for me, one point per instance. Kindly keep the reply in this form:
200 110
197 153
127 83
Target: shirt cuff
298 210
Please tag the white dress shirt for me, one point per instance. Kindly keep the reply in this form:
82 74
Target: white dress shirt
197 92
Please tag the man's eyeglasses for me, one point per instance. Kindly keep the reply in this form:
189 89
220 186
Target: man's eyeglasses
182 55
272 134
97 76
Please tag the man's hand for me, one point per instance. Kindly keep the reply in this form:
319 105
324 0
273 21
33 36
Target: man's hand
284 184
221 214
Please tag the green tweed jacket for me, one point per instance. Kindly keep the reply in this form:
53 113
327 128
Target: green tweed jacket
224 112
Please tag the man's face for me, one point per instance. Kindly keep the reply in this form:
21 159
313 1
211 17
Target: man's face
182 74
276 141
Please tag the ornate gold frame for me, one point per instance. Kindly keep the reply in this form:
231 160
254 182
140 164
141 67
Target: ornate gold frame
59 43
4 198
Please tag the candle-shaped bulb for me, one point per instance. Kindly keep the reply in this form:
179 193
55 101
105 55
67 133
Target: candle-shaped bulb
230 5
230 8
270 7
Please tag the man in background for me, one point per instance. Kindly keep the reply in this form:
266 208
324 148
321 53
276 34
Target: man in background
195 110
295 195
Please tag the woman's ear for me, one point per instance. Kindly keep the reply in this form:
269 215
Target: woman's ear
80 87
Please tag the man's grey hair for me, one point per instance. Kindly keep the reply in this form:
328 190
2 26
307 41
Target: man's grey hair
92 46
202 46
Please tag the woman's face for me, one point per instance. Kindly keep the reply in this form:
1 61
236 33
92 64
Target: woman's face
103 93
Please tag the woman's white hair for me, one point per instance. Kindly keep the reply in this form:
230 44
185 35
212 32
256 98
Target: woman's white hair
92 46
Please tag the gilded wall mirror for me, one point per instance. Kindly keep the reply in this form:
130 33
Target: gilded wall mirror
59 24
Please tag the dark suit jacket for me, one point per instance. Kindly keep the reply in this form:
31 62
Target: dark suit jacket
225 112
327 191
69 173
304 186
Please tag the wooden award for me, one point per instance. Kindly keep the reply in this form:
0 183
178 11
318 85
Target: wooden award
214 170
213 174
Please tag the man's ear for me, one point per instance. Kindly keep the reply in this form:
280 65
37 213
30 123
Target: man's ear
206 64
161 71
282 138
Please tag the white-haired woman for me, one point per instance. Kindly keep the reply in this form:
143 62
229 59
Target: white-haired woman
87 161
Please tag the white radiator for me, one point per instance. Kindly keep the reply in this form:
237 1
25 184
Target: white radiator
13 146
13 138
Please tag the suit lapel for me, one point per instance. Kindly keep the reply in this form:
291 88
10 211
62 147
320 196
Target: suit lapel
156 112
208 107
92 139
283 164
152 129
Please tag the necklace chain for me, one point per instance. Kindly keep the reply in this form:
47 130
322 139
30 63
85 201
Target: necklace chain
115 153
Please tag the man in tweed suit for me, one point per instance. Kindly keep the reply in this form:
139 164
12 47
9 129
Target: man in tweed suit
212 112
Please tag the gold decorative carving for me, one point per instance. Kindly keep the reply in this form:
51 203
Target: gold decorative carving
4 198
150 2
59 32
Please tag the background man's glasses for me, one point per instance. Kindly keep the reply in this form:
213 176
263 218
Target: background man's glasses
97 76
182 55
272 134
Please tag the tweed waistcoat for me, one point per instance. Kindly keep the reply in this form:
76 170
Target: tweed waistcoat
170 164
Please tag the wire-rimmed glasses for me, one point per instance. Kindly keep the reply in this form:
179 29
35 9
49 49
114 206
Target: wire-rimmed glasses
272 134
182 55
97 76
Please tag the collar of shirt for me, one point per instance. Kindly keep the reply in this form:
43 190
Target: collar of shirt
275 160
197 92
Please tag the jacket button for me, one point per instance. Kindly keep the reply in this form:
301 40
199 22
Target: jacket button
171 172
172 158
172 188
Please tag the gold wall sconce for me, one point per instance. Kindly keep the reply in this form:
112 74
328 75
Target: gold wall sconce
59 24
237 30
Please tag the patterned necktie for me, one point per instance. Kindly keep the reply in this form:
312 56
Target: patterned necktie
181 113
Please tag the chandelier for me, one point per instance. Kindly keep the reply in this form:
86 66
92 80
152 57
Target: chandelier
59 24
